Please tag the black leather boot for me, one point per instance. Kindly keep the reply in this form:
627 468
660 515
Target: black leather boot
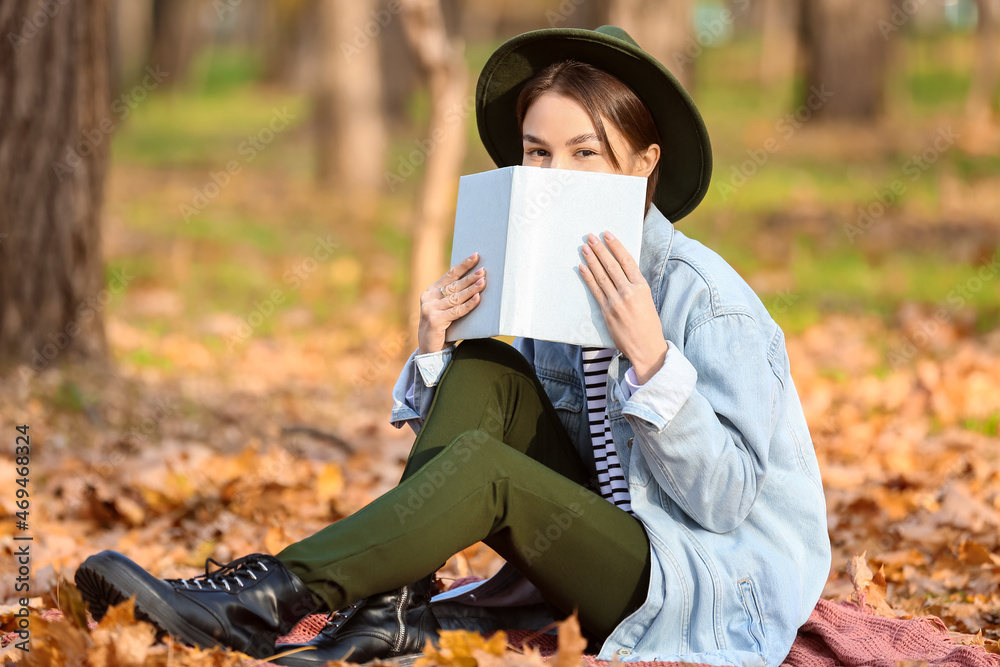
389 625
244 605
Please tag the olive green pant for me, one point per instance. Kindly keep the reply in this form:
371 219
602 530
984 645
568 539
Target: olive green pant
491 463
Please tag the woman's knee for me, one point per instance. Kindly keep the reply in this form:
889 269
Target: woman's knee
474 443
486 453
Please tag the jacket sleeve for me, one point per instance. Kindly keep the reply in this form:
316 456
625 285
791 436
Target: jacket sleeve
414 389
705 431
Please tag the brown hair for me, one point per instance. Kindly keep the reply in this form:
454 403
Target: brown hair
602 95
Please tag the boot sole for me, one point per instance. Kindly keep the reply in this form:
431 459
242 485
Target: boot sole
102 584
401 661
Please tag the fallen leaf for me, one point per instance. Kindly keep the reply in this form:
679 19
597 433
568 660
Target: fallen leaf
275 540
860 573
456 648
330 482
973 553
71 604
571 643
130 510
870 589
120 640
55 643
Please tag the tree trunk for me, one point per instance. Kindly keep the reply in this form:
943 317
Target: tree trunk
55 126
777 60
400 77
625 15
480 21
663 28
984 76
290 43
179 33
350 129
133 35
443 65
846 44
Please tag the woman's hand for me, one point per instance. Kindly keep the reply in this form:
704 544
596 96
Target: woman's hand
626 302
447 299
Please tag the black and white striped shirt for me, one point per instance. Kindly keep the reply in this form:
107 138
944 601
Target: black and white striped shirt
614 487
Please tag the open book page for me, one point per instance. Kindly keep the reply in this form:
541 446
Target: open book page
481 226
559 208
535 201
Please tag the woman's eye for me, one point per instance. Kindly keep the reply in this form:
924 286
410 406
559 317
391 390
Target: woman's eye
535 152
586 152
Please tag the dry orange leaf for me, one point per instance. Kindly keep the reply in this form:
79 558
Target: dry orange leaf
530 658
457 648
120 640
869 589
330 482
979 640
973 553
276 539
571 643
71 603
55 643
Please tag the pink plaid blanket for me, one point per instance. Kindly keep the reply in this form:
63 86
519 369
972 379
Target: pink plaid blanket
837 633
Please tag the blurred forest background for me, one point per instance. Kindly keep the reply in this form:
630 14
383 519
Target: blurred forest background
216 217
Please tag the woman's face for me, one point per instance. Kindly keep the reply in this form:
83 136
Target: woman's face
558 133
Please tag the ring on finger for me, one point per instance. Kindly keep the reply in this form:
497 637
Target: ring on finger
444 292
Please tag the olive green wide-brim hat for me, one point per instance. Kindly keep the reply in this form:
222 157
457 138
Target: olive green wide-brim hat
685 153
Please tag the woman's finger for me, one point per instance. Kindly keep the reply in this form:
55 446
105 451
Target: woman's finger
458 291
598 273
438 314
591 280
466 300
624 257
588 279
611 266
454 273
446 303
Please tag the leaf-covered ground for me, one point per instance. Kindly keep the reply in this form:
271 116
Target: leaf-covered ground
227 456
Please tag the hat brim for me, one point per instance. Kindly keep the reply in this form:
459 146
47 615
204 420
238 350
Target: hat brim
686 154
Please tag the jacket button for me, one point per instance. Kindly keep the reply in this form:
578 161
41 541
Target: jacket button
624 651
630 442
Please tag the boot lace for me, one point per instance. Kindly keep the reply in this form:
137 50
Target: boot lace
227 575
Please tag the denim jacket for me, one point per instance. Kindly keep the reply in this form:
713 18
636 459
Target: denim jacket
719 461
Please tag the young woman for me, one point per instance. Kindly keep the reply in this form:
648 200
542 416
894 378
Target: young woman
666 489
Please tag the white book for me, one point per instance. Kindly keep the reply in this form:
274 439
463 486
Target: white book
528 225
